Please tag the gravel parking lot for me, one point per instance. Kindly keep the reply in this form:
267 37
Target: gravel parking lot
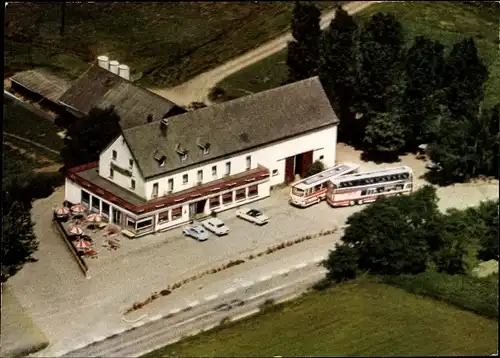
66 305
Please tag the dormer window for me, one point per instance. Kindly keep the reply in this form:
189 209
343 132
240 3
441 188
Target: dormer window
160 158
205 147
184 157
183 153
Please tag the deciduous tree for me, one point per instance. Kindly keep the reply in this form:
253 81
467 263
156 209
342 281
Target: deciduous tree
384 132
342 263
315 168
89 136
303 51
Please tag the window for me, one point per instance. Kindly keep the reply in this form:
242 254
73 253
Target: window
206 150
115 155
105 209
185 179
275 172
132 184
214 172
85 198
163 217
200 176
95 204
214 202
228 168
130 223
111 173
144 224
227 198
321 157
170 185
249 162
253 191
176 213
184 157
241 194
317 187
162 161
155 190
131 163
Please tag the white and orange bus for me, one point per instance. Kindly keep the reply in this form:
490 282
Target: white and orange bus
312 190
368 186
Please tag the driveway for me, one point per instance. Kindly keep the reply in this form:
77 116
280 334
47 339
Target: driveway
70 309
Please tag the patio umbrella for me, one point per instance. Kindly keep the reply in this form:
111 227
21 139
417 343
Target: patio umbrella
94 218
62 211
78 208
82 244
75 230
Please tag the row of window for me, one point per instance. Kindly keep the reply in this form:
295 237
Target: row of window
374 180
199 177
130 161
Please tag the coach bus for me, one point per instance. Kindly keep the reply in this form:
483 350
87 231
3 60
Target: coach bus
366 187
312 190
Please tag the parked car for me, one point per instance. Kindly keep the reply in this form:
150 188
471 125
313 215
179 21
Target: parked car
216 226
196 232
433 166
253 215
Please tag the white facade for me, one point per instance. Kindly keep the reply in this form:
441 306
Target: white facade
123 159
322 142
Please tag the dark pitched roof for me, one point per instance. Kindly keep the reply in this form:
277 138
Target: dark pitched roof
42 82
100 88
232 126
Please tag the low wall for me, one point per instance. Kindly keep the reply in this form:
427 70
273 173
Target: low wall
81 262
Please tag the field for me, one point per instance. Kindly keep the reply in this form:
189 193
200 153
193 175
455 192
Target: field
357 319
169 43
444 21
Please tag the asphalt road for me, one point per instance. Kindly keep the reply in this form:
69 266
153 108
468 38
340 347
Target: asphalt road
233 303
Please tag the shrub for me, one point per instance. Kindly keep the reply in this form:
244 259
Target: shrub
251 257
322 284
165 292
315 168
479 295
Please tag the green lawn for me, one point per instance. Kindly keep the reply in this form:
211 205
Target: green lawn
16 163
444 21
22 122
357 319
168 42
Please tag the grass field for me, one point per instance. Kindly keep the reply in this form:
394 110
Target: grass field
356 319
22 122
444 21
168 42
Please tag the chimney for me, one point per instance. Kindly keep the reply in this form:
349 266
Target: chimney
124 72
113 66
103 62
164 126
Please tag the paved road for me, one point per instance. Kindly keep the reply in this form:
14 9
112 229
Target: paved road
235 303
196 89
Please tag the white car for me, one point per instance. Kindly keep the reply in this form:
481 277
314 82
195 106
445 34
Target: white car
253 215
216 226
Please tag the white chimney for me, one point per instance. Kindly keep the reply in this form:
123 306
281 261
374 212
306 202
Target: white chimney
113 66
103 62
124 72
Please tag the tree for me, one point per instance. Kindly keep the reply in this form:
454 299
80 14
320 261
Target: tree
424 66
384 132
303 52
464 77
315 168
18 240
488 212
338 68
380 79
89 136
342 263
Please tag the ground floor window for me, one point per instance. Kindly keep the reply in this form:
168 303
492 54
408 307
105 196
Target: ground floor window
227 198
105 210
85 198
130 223
163 217
144 224
177 213
253 191
214 202
241 194
95 204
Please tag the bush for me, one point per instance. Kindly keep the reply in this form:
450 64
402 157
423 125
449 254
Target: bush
315 168
479 295
322 284
165 292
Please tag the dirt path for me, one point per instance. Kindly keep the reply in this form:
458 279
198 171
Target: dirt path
196 89
31 142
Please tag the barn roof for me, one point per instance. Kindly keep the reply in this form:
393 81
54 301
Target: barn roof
231 127
100 88
42 82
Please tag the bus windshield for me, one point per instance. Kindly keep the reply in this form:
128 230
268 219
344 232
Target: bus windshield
298 192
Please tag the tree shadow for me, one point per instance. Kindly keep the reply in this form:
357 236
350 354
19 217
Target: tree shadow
434 177
379 158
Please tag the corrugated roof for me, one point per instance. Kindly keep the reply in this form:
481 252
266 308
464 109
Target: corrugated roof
232 126
43 83
100 88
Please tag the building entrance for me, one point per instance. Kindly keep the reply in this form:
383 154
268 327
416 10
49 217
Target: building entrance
297 164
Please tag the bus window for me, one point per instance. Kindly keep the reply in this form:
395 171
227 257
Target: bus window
317 187
298 192
363 192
